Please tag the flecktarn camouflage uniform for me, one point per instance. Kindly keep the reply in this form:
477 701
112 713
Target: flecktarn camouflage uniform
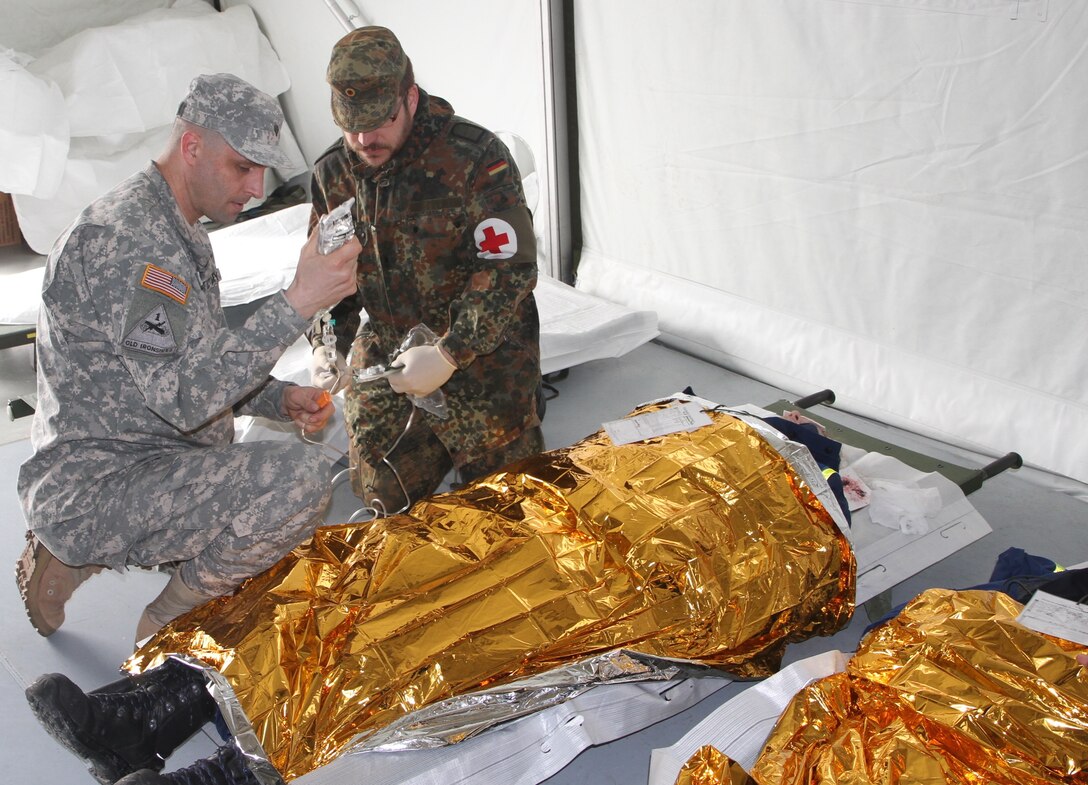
447 242
139 380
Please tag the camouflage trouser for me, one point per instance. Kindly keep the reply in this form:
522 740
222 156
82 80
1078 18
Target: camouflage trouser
421 462
224 513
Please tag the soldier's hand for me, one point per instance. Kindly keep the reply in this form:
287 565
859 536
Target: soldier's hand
309 407
323 280
426 368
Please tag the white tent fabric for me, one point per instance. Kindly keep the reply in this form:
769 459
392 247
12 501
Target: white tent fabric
121 85
37 135
886 198
34 26
484 56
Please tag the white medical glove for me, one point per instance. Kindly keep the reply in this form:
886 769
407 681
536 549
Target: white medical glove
426 368
328 369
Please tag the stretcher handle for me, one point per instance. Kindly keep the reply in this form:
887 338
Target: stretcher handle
1010 460
810 400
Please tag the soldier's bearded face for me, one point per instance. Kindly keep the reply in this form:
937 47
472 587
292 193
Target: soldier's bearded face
378 146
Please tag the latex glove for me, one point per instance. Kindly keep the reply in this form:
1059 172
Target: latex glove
426 368
327 373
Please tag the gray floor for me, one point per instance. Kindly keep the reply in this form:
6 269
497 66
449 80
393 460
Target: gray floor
98 632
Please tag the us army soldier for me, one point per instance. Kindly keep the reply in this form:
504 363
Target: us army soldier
139 379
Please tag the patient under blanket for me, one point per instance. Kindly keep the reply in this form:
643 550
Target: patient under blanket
704 547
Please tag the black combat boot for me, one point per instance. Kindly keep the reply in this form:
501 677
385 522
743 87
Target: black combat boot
132 724
227 766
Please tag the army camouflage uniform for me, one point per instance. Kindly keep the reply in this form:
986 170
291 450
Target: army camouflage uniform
447 242
139 381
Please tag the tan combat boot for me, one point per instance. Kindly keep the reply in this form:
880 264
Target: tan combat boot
45 584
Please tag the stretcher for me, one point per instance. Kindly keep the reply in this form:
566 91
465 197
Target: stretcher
531 748
534 748
886 558
12 335
967 478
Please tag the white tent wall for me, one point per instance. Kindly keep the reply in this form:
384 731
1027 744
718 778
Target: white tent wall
486 57
886 198
80 114
33 25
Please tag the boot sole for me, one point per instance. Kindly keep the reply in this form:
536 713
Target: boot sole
28 572
104 765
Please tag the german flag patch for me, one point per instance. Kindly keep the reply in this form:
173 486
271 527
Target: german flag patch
164 282
497 167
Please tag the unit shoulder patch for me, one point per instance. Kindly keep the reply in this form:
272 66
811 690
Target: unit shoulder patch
152 334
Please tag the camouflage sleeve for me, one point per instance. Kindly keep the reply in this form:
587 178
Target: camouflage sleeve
501 249
265 401
187 365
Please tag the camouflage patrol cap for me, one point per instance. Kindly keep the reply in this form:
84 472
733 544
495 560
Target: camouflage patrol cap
365 72
246 117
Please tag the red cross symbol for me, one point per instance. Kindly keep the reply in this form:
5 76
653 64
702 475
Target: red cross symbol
493 243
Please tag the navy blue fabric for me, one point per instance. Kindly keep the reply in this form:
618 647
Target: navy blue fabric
1016 562
826 451
1068 584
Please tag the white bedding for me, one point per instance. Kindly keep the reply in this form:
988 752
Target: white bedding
81 115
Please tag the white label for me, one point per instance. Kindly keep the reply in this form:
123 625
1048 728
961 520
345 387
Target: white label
673 419
1056 616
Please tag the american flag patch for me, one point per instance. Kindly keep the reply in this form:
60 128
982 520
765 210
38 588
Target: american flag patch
163 282
498 166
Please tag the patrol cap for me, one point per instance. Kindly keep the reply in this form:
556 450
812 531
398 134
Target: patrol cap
246 117
366 70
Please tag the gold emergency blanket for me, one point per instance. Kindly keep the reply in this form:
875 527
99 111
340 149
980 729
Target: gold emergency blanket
703 546
953 690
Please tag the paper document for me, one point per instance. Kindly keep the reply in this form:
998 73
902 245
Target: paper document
674 419
1056 616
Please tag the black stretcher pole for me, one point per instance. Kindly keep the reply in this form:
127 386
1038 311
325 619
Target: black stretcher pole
969 479
1010 460
813 399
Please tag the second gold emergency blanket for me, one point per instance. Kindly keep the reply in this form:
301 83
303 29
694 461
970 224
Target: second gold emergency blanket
701 546
953 691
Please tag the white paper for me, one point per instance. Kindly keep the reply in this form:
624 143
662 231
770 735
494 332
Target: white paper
1056 616
673 419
